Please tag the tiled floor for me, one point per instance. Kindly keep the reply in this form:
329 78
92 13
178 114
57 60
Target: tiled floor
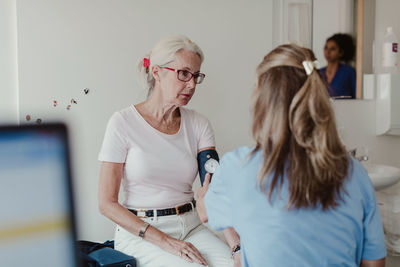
392 261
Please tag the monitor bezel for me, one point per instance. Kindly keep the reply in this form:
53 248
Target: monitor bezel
62 130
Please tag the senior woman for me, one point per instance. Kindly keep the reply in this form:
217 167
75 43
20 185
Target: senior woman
296 198
152 148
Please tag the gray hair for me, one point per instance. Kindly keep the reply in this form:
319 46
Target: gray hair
163 53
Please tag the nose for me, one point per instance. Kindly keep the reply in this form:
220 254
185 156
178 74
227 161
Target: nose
191 83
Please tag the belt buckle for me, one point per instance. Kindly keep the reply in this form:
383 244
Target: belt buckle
141 213
177 209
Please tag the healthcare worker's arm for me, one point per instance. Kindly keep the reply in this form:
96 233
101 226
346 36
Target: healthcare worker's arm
373 263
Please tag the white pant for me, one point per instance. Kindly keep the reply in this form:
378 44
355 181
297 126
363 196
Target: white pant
186 227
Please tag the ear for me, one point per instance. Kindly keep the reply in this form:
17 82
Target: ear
155 70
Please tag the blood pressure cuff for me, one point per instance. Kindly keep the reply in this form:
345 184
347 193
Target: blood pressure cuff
202 157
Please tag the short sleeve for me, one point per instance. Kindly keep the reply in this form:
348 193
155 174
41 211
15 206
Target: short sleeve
374 240
206 133
217 201
114 148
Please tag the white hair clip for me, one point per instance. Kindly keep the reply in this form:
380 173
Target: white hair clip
310 65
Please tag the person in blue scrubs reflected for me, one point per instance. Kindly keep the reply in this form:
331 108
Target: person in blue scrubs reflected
339 50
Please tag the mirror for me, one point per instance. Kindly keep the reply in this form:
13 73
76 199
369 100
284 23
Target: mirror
357 18
335 36
295 19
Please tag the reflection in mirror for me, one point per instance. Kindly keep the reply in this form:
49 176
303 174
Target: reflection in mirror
325 18
334 39
339 74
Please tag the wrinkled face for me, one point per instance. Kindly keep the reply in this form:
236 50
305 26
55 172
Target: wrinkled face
332 51
173 90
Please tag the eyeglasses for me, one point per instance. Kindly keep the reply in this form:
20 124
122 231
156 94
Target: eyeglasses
185 75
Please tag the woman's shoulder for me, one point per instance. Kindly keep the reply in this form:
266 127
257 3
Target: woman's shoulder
191 113
358 175
356 169
239 163
194 116
239 155
347 68
120 117
126 113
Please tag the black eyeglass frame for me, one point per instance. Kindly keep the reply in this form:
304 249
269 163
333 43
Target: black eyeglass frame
195 76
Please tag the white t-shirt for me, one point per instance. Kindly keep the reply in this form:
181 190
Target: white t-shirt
159 168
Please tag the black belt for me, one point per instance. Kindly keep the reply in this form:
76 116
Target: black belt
165 212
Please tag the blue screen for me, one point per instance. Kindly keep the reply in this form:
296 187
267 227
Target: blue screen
35 204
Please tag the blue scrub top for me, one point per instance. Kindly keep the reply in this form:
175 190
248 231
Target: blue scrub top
272 235
343 83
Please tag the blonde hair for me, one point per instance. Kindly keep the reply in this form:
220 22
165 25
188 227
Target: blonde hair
294 126
163 53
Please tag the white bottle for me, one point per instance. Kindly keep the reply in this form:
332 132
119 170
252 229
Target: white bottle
389 52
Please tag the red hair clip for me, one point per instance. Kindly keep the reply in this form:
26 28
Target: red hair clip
146 62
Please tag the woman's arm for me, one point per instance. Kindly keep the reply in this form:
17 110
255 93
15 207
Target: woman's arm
373 263
201 192
206 148
233 239
109 184
231 235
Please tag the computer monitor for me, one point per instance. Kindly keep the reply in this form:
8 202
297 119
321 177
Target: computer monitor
36 207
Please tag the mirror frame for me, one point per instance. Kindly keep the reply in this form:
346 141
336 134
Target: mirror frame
359 49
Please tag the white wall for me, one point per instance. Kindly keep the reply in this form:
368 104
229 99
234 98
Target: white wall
387 14
65 46
8 62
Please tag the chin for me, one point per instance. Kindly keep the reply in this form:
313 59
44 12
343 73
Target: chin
183 102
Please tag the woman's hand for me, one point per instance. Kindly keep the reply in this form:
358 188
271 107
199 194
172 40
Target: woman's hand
237 258
183 249
201 192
